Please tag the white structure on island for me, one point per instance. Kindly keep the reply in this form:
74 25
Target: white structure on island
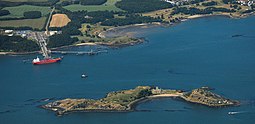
176 2
246 2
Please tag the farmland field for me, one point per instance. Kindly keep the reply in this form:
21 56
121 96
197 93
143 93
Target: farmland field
34 23
18 11
25 0
109 5
59 20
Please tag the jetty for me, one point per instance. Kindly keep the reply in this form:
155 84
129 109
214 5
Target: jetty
91 52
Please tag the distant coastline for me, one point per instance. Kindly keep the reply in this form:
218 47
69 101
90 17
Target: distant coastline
131 30
150 25
118 31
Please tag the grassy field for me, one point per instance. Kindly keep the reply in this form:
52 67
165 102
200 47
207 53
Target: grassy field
34 23
18 11
109 5
25 0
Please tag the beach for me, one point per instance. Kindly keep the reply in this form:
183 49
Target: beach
167 95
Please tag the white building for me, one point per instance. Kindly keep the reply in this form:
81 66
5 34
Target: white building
246 2
8 31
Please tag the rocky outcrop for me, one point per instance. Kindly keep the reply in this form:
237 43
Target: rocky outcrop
206 97
114 101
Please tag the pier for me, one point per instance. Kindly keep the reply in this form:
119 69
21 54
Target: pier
91 52
41 40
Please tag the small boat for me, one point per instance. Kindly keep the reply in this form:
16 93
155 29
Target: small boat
37 61
84 76
232 113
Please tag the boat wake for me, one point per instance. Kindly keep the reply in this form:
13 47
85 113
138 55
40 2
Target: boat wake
27 61
235 112
7 111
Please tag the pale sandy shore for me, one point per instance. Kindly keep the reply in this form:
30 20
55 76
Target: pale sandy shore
196 16
167 95
86 44
4 53
207 15
220 14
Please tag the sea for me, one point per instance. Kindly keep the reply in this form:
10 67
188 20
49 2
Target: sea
217 52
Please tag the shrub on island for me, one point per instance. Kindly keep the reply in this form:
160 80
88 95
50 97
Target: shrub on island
228 1
212 3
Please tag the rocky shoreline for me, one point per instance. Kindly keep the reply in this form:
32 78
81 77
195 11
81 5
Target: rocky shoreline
128 30
205 97
120 29
131 33
127 100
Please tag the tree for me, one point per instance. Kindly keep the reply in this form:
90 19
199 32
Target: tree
162 16
228 1
65 3
88 26
212 3
32 14
140 6
92 2
132 19
17 44
59 40
143 93
4 12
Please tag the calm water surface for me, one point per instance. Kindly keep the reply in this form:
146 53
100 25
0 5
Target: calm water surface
200 52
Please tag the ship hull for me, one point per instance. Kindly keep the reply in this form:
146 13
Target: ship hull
47 61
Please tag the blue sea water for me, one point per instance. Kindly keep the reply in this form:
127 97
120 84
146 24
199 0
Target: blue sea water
195 53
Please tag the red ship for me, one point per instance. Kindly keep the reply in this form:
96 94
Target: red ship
45 52
37 61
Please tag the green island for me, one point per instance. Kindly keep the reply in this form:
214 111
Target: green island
126 100
86 22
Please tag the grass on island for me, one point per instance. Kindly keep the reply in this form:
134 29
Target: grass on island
34 23
125 97
59 20
17 11
109 5
206 97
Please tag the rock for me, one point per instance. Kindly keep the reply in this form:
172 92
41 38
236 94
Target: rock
206 97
